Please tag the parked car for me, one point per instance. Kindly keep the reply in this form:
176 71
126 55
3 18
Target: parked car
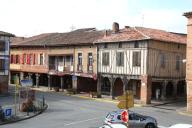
113 126
135 120
181 126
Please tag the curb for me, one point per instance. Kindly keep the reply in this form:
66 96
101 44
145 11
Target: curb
103 100
86 97
13 121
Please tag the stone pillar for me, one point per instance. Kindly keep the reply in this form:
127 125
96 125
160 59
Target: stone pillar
112 80
61 79
163 90
37 79
29 74
189 61
175 88
146 89
49 82
21 76
99 82
125 84
9 78
74 80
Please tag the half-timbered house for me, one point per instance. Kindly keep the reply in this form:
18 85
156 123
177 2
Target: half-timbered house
148 60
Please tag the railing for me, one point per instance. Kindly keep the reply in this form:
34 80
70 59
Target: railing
61 68
90 68
80 68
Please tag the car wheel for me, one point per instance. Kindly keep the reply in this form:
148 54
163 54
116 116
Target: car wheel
150 125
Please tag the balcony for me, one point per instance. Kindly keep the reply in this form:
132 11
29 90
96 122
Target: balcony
90 68
79 68
61 68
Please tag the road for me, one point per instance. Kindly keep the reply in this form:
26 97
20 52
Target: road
74 112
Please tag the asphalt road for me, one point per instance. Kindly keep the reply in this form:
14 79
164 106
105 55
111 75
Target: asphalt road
74 112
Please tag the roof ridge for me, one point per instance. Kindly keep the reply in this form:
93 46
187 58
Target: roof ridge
147 37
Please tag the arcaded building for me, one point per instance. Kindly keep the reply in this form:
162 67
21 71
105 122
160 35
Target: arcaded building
144 60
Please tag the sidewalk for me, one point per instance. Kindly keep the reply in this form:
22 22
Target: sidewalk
7 102
106 98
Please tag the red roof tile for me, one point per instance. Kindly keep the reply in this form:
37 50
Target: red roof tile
141 33
77 37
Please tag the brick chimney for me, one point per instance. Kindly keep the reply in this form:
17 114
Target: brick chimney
189 61
115 27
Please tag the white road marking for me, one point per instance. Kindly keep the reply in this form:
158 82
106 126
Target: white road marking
82 121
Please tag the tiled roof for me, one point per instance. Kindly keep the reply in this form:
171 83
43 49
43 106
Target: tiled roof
6 34
77 37
141 33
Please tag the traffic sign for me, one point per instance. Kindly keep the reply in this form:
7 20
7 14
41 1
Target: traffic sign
8 112
124 116
125 105
126 100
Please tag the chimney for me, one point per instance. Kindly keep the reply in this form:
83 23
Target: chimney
189 61
115 27
105 33
127 26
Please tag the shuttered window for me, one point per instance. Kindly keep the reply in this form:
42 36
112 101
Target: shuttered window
24 58
178 63
120 59
79 58
17 59
90 59
41 59
136 58
105 58
2 64
2 45
162 60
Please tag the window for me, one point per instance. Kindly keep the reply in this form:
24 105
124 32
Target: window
2 46
41 59
177 62
2 64
136 58
120 45
17 59
105 45
120 59
136 45
79 58
162 60
105 59
11 59
24 58
90 59
31 59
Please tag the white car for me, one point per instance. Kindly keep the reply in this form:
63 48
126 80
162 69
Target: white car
113 126
181 126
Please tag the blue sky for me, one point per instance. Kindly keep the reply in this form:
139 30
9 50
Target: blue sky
31 17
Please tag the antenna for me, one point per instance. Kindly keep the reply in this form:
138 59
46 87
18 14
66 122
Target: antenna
142 19
72 27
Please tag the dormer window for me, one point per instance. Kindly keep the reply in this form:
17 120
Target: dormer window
105 45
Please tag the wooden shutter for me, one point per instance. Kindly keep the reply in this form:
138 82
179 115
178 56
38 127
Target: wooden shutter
18 59
34 59
28 58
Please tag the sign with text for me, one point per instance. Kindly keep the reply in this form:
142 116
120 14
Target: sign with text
7 112
26 83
